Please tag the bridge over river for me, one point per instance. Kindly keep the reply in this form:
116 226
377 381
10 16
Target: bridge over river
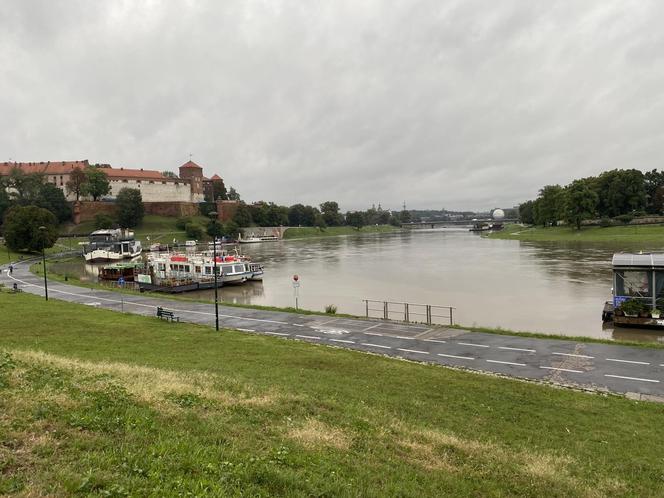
454 223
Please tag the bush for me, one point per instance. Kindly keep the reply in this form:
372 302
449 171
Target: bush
181 223
194 230
331 309
625 218
605 222
103 221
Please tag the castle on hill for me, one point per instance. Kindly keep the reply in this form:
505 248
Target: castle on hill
191 186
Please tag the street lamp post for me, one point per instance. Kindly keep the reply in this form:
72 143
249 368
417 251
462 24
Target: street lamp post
213 215
42 231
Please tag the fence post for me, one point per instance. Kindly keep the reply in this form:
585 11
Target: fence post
385 311
451 319
366 302
428 314
405 312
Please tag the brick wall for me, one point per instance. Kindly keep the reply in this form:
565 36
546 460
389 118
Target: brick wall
90 209
226 210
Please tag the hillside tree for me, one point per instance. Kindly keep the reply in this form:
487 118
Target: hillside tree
130 207
21 228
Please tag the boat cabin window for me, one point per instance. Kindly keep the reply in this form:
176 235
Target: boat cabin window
198 269
225 270
161 266
238 268
208 270
634 283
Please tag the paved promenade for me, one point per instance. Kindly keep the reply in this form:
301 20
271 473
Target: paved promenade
621 369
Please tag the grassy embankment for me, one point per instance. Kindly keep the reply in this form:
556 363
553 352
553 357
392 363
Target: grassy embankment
159 228
95 402
309 232
646 234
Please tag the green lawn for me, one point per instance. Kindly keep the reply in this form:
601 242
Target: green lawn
100 403
618 234
306 232
159 228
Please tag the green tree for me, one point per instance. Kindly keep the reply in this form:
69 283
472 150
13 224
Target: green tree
215 229
233 195
355 219
242 215
130 207
654 184
24 187
580 203
103 221
331 214
526 213
276 215
97 184
219 190
76 182
194 230
5 201
552 204
21 228
231 229
169 174
53 199
621 192
405 216
296 215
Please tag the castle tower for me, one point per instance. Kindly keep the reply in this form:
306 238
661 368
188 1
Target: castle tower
194 174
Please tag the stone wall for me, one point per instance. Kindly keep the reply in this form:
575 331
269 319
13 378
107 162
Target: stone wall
226 210
174 209
90 209
157 191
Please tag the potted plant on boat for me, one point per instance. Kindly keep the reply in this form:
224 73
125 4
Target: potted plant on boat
632 307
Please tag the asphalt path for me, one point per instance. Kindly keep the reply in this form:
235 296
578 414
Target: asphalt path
637 372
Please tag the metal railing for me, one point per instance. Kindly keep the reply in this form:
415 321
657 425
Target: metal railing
395 310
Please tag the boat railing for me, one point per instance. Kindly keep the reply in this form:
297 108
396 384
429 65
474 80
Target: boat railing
409 312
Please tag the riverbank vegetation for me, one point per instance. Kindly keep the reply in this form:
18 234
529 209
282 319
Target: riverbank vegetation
308 232
96 402
625 234
619 194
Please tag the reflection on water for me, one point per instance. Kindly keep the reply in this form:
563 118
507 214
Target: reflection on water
544 287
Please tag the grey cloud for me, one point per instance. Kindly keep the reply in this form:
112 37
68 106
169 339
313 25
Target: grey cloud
461 104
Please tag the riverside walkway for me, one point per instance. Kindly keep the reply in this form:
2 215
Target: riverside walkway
638 372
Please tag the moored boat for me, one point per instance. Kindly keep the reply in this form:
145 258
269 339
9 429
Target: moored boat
638 291
111 245
127 271
177 272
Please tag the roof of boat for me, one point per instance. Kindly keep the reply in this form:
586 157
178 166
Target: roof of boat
638 260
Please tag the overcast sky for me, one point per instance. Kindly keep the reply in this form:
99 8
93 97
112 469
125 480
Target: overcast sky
456 104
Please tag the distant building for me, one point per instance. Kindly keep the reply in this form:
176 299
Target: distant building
154 186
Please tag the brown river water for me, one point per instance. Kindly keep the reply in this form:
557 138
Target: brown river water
556 288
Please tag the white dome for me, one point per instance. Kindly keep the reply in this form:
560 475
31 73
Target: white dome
498 214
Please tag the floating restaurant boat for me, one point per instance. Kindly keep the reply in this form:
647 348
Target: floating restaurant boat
111 245
638 291
176 272
253 239
127 271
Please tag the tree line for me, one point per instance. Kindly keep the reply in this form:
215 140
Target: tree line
620 193
327 214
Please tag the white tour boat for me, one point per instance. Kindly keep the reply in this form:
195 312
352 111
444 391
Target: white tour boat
111 245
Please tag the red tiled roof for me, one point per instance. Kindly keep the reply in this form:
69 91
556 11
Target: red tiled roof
139 174
215 177
190 164
45 168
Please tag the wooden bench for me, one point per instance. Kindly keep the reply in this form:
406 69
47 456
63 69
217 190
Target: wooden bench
167 315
